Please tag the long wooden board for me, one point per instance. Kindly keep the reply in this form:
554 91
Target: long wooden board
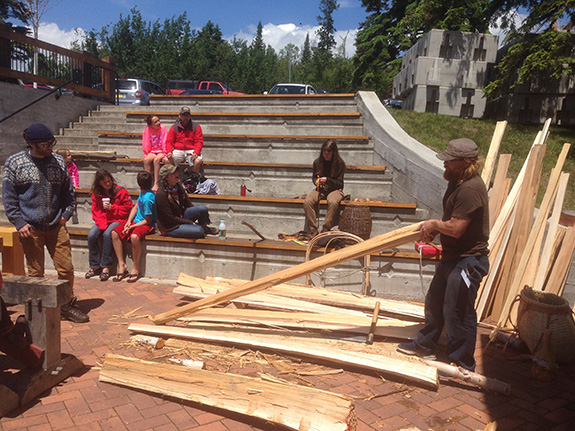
278 402
381 242
492 153
319 295
313 347
385 327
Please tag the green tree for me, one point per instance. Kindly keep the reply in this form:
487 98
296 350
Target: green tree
14 10
326 25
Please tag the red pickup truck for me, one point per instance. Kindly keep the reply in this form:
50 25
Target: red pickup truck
176 87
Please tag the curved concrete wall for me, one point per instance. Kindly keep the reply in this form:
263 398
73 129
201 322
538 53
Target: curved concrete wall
417 173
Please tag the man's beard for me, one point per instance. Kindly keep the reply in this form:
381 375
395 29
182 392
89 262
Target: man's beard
453 175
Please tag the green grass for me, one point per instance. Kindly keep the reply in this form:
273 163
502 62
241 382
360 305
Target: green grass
435 131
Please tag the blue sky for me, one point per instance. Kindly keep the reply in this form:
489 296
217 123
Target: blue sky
283 21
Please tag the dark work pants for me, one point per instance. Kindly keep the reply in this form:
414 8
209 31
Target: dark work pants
450 302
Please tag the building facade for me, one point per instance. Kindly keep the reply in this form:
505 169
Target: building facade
445 73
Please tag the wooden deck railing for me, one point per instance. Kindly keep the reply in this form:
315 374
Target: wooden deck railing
57 66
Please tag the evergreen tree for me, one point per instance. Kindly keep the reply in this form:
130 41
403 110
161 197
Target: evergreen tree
326 25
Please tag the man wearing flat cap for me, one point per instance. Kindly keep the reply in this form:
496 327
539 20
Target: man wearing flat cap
39 199
464 235
185 141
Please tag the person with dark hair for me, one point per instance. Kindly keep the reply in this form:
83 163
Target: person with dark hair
154 146
328 170
39 200
141 221
464 235
111 205
185 142
177 216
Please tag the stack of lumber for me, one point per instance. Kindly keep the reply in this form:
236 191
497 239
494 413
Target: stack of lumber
525 250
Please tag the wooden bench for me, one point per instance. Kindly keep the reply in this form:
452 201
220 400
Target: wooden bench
242 115
208 136
12 252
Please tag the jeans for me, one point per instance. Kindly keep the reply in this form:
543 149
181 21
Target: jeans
198 214
57 241
104 257
450 302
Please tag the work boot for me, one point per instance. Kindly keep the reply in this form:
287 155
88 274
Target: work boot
72 313
415 350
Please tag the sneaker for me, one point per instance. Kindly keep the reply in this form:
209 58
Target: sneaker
72 313
211 230
414 350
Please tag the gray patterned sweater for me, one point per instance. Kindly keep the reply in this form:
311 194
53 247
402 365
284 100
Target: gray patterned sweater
37 191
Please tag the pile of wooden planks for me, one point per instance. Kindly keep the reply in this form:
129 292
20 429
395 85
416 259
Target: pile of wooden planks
525 249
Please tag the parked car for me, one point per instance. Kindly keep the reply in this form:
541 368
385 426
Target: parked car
176 87
393 103
292 89
136 91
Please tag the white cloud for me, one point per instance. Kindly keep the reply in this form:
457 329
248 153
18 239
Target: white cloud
51 33
518 18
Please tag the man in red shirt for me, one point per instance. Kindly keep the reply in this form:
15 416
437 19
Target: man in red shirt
185 141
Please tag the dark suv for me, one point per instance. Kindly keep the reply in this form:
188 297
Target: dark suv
136 91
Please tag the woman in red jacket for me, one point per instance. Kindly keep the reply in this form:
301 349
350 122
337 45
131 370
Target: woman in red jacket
111 205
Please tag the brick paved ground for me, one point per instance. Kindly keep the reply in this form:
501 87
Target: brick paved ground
83 403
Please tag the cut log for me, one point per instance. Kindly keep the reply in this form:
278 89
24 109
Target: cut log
319 295
381 242
491 385
359 325
281 403
310 347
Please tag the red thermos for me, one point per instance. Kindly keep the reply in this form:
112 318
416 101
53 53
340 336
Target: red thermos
243 190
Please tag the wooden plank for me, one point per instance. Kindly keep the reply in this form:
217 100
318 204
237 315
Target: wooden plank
551 232
559 272
322 295
380 242
386 327
10 400
492 153
498 194
313 347
276 401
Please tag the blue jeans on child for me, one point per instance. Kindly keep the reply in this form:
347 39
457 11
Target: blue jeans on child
103 258
198 214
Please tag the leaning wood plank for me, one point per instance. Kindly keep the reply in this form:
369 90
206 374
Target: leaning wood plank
557 244
498 191
359 325
281 403
319 295
200 289
10 400
551 232
312 347
492 153
381 242
561 266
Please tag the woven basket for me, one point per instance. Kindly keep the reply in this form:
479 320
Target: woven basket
356 219
540 310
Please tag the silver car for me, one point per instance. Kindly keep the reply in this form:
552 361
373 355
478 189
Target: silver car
292 89
136 91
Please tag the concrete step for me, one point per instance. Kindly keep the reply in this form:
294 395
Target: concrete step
270 216
254 148
263 179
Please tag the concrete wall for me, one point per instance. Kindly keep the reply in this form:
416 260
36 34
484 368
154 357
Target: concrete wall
55 113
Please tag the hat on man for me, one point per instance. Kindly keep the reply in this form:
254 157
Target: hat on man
38 132
185 110
167 170
461 148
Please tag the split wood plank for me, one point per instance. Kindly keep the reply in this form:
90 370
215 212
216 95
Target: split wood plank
385 327
10 401
498 194
557 244
492 153
312 347
558 276
326 296
197 288
282 403
551 232
381 242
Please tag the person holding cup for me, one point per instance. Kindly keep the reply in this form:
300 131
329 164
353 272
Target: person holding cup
111 205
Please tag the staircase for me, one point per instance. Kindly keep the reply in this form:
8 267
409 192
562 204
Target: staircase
268 144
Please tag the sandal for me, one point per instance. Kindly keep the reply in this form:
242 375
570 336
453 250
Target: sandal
120 277
104 276
132 278
93 272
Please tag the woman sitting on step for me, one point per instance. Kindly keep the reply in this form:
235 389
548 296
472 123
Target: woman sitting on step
177 216
328 170
111 205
